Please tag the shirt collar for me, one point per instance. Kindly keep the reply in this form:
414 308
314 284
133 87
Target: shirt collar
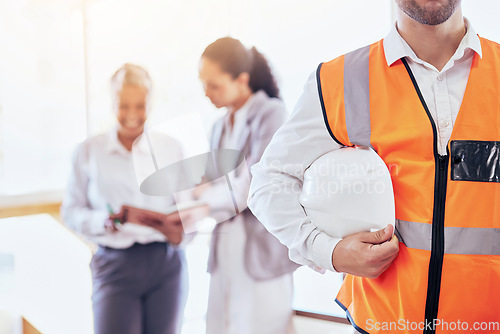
395 47
114 146
242 113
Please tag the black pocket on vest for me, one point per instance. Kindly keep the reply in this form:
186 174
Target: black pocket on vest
475 160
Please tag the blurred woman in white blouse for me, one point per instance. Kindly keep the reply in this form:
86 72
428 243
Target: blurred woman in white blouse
139 276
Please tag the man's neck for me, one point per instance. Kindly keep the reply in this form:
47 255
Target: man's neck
433 44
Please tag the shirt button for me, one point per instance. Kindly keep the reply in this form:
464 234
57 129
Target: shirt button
440 77
444 124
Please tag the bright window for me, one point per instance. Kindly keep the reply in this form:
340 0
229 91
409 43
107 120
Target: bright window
42 100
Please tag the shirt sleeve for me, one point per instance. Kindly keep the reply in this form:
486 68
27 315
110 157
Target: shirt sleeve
75 209
278 178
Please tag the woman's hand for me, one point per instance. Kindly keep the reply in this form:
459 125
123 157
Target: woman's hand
169 225
113 220
199 190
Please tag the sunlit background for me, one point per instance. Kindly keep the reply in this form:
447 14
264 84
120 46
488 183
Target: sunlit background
56 58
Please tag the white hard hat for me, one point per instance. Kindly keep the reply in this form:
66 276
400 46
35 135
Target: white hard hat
347 191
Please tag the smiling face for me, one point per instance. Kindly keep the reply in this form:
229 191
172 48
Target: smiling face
220 87
429 12
131 110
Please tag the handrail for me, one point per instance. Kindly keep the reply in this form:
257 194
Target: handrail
320 316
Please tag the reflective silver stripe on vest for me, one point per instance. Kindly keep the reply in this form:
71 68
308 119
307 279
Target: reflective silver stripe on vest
357 96
457 240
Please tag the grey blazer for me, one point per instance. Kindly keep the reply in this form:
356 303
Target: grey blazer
265 256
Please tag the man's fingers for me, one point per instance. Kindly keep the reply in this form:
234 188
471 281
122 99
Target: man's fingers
388 246
381 265
379 236
386 250
390 259
366 254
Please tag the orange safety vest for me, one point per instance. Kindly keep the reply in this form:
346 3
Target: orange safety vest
447 207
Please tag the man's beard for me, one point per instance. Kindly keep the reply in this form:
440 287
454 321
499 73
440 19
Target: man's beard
425 16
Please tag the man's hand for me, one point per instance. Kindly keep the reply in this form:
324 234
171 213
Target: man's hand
366 254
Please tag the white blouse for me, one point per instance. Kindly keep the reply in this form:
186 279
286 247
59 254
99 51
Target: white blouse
103 173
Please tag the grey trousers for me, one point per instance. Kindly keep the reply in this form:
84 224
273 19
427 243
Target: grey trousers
139 290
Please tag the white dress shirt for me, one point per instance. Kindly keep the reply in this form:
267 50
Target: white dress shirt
277 178
103 173
230 133
218 195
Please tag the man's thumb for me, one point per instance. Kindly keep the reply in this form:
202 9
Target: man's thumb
379 236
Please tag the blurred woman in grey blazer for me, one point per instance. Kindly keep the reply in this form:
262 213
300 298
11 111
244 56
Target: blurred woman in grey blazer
251 275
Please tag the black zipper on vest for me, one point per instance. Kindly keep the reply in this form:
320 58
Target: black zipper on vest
437 246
